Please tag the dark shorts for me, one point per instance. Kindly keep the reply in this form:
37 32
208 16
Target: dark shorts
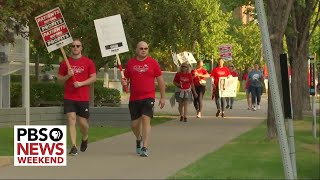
81 108
138 108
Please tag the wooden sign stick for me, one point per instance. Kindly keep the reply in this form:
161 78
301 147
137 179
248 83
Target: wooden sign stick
121 71
67 62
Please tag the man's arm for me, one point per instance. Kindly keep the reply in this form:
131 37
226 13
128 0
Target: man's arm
63 79
92 78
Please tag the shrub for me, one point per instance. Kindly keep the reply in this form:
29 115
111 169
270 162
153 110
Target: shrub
50 94
170 87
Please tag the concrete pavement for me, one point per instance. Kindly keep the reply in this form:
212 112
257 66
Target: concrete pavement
174 145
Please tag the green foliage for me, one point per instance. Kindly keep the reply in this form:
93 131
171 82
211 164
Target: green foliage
170 87
48 94
106 96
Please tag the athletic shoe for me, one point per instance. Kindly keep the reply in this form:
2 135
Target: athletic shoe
254 108
222 115
84 145
73 151
185 119
138 146
218 113
181 118
230 107
144 152
199 115
227 106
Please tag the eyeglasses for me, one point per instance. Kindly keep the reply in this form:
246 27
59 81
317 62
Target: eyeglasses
73 46
144 48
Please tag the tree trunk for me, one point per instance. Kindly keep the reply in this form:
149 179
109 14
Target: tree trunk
298 37
277 16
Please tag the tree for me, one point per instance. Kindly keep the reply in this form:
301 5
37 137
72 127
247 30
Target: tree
298 34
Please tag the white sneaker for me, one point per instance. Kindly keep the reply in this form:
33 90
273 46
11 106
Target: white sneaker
258 106
254 108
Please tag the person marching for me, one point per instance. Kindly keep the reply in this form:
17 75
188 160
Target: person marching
199 74
76 93
245 78
234 73
256 79
183 81
216 74
141 71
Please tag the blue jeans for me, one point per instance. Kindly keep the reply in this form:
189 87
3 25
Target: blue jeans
255 94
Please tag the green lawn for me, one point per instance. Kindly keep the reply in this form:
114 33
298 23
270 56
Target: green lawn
253 156
95 134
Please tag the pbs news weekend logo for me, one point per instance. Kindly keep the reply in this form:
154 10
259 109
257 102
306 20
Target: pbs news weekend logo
40 145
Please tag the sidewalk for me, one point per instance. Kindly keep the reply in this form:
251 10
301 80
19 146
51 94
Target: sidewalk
174 145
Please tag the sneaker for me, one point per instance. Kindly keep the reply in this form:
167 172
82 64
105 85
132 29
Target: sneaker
73 151
144 152
138 146
230 107
199 115
218 113
223 115
181 118
254 108
84 145
258 107
227 106
185 119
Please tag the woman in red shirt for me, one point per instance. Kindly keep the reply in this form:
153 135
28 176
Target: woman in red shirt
199 74
183 81
247 84
217 72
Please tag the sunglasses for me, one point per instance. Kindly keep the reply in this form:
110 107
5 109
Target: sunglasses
144 48
73 46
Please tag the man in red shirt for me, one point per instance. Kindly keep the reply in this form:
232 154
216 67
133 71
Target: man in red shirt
217 72
76 93
141 72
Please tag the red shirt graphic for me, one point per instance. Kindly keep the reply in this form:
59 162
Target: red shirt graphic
219 72
82 68
142 75
184 79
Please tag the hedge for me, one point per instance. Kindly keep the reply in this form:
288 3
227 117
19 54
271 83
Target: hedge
51 94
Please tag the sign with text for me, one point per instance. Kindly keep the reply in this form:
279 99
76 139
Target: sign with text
228 86
111 35
40 145
312 76
226 52
53 29
186 57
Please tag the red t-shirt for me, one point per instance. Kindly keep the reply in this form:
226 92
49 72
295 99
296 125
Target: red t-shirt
234 73
196 79
82 69
184 79
218 72
141 75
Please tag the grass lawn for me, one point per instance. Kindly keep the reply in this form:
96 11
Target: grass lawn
253 156
95 134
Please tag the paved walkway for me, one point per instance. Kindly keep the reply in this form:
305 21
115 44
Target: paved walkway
174 145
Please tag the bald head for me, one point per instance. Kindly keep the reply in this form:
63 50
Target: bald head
142 50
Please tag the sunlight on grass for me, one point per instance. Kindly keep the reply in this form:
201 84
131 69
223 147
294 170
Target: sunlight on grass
253 156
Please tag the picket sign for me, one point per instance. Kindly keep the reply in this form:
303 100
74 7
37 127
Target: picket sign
54 32
112 39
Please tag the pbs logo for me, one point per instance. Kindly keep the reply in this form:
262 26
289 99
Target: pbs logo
56 134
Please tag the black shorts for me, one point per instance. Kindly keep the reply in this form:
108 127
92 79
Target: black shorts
81 108
138 108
